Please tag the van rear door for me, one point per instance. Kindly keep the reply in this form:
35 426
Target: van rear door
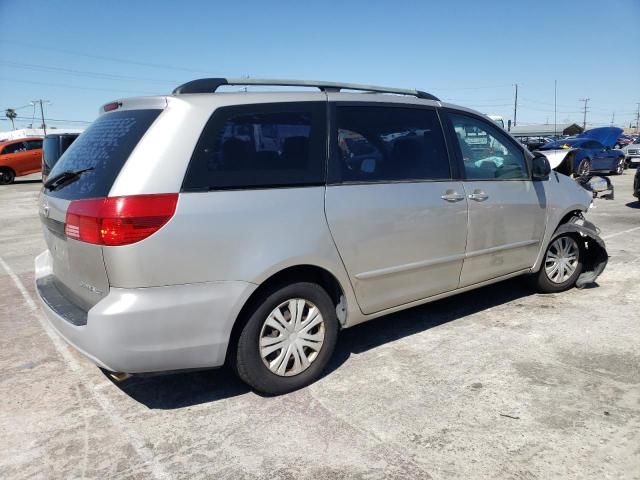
78 270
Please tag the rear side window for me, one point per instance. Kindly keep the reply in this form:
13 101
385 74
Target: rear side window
14 148
260 146
373 144
104 147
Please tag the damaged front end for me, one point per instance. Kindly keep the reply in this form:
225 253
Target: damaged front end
593 249
599 186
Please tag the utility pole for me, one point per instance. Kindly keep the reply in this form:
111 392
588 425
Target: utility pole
555 108
638 118
584 119
613 118
515 107
40 101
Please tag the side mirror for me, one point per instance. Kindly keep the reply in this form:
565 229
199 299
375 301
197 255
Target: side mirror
540 167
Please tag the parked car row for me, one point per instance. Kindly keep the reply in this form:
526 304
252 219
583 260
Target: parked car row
31 155
590 151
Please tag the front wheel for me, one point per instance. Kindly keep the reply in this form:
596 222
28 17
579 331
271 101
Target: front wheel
561 266
288 338
620 166
584 168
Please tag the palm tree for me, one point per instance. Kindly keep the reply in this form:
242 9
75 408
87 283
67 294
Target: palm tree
10 113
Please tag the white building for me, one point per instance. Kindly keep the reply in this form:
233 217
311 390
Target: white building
35 132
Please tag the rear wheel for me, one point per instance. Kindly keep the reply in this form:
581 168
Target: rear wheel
584 167
288 338
561 266
6 176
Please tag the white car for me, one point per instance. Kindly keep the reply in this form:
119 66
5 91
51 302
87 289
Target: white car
632 152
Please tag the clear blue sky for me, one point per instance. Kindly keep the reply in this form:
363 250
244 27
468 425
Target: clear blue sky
82 54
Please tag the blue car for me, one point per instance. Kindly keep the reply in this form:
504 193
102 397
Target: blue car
591 151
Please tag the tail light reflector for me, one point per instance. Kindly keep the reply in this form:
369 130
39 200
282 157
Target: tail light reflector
114 221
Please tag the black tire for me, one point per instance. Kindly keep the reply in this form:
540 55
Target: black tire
584 168
6 176
544 284
247 359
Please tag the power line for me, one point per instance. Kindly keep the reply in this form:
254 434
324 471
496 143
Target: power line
73 87
104 57
51 120
83 73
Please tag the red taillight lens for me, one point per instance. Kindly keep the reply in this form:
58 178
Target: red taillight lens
117 221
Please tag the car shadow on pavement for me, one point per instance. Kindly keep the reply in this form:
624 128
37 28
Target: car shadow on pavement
635 204
18 182
182 389
179 390
393 327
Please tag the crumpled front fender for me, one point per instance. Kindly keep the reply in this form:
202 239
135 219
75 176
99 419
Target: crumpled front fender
593 248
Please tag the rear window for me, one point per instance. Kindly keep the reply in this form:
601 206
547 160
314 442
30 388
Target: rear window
104 147
260 146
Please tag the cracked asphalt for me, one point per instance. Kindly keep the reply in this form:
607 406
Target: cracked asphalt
495 383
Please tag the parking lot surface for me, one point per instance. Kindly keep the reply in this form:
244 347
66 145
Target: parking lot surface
496 383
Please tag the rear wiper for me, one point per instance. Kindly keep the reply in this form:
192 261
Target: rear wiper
63 178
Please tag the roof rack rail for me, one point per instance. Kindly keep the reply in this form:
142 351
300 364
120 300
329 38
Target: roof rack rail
210 85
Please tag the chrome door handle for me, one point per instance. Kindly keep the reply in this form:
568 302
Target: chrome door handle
450 196
478 196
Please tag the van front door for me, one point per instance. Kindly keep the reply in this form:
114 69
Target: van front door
398 219
507 211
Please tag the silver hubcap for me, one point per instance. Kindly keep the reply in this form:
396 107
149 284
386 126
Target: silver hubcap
562 259
292 337
621 166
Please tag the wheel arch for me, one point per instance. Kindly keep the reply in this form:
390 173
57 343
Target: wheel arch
569 213
291 274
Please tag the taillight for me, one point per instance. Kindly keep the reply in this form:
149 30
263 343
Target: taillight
116 221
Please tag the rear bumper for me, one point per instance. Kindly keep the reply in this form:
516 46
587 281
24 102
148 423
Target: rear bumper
152 329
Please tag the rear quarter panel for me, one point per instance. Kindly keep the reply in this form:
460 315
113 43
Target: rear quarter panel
245 235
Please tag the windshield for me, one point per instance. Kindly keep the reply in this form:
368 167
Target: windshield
102 150
561 144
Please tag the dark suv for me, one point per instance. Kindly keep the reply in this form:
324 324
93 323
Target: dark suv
53 147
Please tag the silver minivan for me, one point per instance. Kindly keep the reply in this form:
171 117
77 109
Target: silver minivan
205 227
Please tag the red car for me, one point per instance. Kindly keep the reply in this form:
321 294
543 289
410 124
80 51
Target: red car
19 157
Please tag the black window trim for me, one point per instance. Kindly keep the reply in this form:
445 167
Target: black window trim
318 110
333 175
457 152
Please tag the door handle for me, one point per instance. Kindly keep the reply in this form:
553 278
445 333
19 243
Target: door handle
452 196
478 196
